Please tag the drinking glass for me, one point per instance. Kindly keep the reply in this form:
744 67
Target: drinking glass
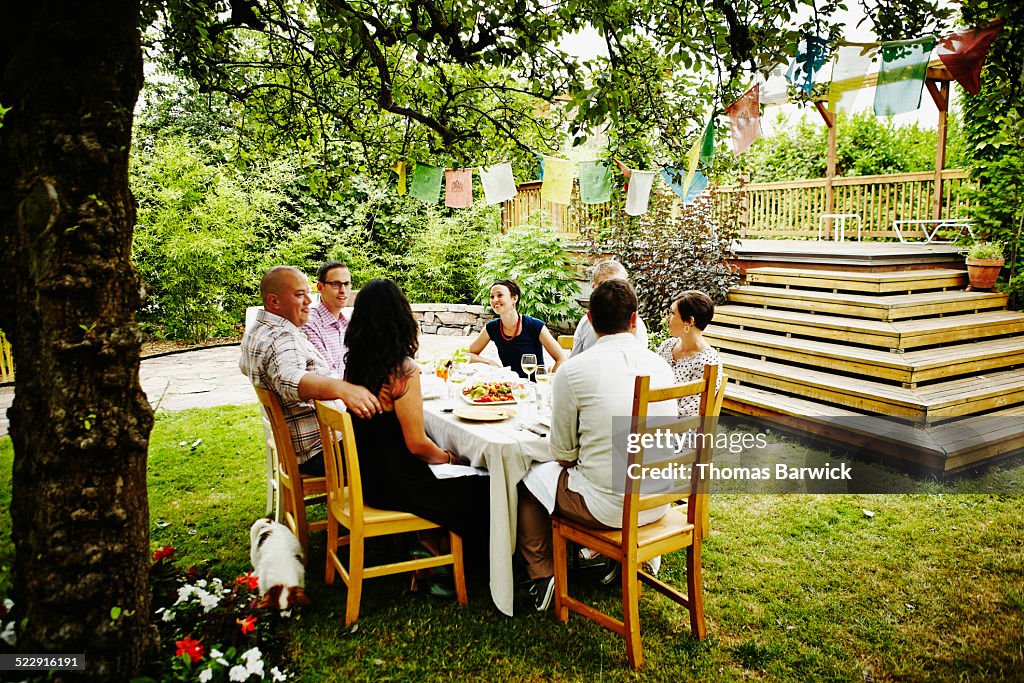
529 363
543 377
456 376
521 393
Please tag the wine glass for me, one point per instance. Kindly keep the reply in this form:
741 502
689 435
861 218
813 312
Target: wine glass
529 363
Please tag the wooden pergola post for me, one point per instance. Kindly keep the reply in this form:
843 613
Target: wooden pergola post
830 168
937 83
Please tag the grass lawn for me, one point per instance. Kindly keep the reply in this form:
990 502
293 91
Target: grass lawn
797 587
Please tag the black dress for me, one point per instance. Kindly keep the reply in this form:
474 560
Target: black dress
395 479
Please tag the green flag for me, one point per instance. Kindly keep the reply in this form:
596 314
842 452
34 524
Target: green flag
595 182
426 183
707 145
901 75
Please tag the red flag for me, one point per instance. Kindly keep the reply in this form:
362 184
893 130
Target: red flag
964 54
745 115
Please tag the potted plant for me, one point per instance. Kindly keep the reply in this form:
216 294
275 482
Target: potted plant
984 261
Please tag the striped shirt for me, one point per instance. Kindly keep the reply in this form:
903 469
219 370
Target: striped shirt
328 336
276 356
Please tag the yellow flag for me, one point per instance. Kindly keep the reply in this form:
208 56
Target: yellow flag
558 177
399 168
692 157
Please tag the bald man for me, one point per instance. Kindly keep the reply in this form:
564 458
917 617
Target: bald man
585 336
278 356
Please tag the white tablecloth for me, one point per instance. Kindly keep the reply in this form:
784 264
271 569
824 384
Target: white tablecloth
506 452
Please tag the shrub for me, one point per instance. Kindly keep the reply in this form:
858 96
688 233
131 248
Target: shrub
532 255
204 236
667 251
443 262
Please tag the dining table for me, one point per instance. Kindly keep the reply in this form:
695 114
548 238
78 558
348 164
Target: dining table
506 451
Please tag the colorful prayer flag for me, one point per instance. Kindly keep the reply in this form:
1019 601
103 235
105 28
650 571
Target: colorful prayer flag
458 188
848 74
499 183
964 54
745 120
426 183
595 182
707 144
540 160
699 183
809 58
773 87
558 177
639 194
399 168
674 178
901 75
692 158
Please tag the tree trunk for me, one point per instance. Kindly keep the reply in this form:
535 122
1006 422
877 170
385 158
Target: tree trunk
70 72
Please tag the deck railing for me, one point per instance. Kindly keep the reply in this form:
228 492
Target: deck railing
792 208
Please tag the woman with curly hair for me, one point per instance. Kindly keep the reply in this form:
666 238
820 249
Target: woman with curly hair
394 449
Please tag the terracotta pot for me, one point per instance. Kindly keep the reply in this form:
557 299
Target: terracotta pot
984 272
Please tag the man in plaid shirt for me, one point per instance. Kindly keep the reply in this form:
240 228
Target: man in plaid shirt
277 356
327 322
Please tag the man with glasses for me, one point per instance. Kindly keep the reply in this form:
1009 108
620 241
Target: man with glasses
327 320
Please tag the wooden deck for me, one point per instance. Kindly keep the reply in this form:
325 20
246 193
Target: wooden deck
847 256
921 368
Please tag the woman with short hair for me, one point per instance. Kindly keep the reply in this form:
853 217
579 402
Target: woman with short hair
686 351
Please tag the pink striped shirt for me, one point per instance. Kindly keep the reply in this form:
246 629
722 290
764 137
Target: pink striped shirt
327 334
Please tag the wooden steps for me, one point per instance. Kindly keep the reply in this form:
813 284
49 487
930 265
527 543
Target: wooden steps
888 307
873 283
899 335
910 368
947 448
905 361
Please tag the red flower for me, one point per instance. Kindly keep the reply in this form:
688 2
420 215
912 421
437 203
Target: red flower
248 624
165 553
249 580
193 648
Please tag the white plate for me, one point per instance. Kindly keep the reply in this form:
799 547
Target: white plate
484 413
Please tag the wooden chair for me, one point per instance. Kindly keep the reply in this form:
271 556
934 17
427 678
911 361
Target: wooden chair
684 526
295 491
345 508
6 359
566 341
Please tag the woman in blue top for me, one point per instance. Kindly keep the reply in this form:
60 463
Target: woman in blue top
514 334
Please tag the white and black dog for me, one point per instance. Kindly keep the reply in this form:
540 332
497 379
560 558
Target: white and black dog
278 562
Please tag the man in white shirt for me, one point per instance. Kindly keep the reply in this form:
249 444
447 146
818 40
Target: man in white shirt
327 320
585 337
588 392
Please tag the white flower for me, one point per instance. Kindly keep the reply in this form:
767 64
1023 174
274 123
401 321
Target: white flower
251 655
277 676
238 673
168 615
9 604
201 583
184 593
8 635
255 667
205 675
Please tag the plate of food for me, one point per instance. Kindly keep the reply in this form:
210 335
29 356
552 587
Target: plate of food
484 413
488 393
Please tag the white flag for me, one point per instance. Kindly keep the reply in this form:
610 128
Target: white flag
499 183
639 193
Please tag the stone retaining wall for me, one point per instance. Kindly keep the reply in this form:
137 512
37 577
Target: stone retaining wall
451 320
